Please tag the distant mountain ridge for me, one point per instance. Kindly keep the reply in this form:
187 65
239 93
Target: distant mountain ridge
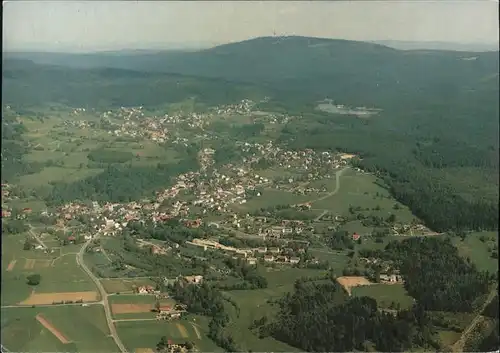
448 46
312 68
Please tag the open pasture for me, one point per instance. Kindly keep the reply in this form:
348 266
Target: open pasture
56 329
140 335
476 246
386 295
59 273
357 189
273 197
118 285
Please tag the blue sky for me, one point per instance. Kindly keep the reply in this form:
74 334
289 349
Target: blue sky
102 25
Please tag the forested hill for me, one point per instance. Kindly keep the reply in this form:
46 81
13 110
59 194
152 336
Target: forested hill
320 63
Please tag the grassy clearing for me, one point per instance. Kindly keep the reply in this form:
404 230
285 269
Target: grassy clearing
478 251
338 260
272 197
124 285
286 276
358 189
385 295
85 327
146 334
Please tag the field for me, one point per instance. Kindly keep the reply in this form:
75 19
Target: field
385 294
348 282
135 306
139 335
358 189
478 251
59 274
112 285
56 329
254 304
272 197
64 150
49 298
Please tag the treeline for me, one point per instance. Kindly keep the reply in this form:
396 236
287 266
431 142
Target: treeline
435 274
172 230
340 240
121 183
251 279
410 157
103 155
31 85
14 149
319 318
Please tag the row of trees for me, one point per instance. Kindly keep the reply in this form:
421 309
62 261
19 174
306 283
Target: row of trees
249 274
206 300
120 183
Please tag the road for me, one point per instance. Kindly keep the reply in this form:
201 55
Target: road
51 305
104 295
36 237
321 215
337 186
458 346
144 319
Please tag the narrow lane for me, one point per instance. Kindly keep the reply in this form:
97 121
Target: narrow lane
104 295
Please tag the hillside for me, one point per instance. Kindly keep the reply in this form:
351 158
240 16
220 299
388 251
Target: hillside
435 139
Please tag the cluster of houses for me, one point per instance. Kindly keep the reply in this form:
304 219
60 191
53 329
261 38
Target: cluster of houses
251 255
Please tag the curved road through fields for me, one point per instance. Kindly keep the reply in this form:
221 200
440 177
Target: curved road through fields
337 186
104 296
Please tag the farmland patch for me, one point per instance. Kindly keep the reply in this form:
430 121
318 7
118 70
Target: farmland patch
52 329
131 308
50 298
348 282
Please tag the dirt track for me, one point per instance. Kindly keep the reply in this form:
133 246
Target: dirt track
11 265
52 329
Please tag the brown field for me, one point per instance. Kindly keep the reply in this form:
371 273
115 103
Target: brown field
131 308
182 330
29 264
52 329
11 265
49 298
354 281
144 350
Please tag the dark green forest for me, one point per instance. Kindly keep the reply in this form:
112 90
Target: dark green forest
434 273
120 183
319 318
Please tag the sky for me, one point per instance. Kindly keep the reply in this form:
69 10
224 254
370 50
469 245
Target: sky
112 25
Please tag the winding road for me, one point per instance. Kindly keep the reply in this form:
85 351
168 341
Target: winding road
104 295
337 186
